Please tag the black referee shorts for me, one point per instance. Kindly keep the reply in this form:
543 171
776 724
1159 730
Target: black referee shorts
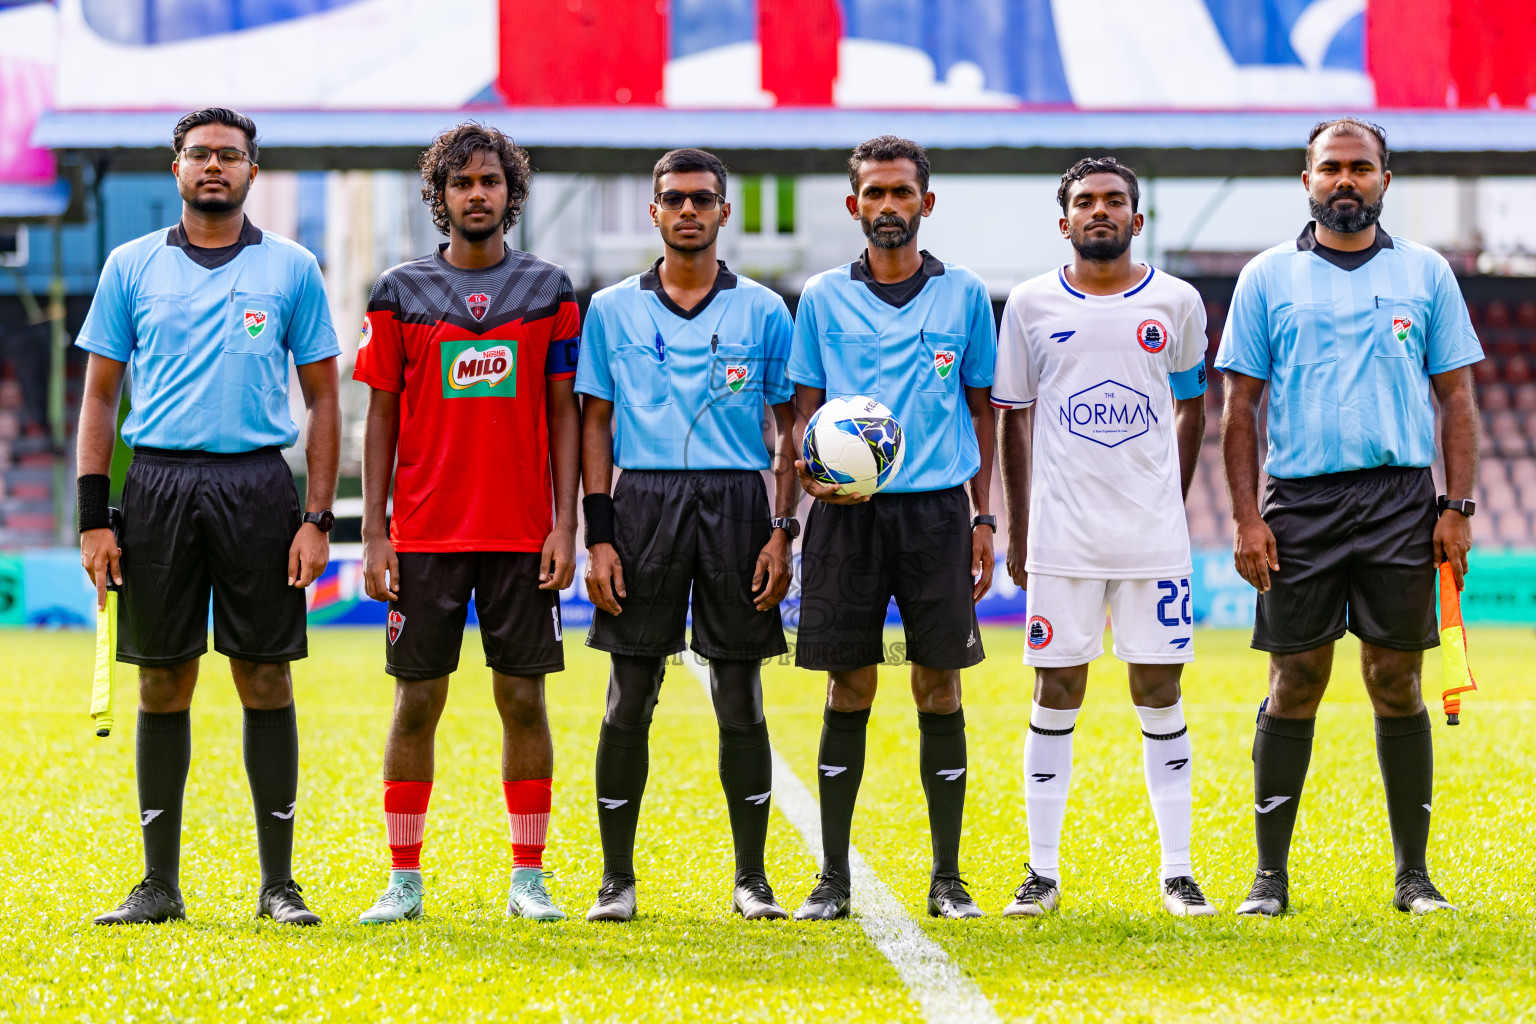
1356 555
196 523
519 623
690 530
915 547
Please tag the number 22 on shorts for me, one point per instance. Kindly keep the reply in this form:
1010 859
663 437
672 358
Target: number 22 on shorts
1169 613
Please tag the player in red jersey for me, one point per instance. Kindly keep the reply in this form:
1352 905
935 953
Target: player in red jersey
471 355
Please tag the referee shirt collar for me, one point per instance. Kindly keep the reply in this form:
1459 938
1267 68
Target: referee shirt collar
1343 259
214 258
650 281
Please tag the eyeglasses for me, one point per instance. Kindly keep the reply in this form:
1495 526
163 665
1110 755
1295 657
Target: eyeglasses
702 201
199 155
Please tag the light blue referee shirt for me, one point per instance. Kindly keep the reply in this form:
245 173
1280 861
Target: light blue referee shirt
206 334
852 338
1347 342
687 386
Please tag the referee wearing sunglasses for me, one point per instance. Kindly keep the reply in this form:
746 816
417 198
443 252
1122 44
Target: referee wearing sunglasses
677 366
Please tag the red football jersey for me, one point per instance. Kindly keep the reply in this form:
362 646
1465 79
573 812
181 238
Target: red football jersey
469 352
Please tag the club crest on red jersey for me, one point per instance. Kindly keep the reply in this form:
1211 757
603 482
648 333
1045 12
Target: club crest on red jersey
479 304
1151 336
1040 632
396 625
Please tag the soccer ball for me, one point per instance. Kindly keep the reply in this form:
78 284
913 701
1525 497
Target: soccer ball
854 443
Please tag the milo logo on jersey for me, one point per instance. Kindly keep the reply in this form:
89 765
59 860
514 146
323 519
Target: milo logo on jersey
1109 413
472 372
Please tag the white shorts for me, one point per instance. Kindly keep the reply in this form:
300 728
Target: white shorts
1150 619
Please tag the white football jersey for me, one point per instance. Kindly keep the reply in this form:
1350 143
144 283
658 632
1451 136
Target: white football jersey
1105 500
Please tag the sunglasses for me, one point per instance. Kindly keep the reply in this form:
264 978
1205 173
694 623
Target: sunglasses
702 201
199 155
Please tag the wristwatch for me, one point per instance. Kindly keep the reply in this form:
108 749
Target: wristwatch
985 521
789 524
323 520
1466 506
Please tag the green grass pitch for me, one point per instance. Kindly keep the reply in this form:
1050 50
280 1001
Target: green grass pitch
71 850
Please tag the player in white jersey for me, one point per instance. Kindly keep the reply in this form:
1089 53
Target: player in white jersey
1101 371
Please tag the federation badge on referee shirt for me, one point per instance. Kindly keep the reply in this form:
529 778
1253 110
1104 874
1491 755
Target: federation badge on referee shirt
396 625
1401 325
943 362
255 322
735 378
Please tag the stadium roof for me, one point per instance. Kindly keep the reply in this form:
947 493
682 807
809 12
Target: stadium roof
1168 143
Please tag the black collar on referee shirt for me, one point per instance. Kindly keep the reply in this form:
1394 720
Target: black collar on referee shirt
1344 260
897 293
214 258
651 281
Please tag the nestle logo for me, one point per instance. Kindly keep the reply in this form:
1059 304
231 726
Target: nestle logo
1109 413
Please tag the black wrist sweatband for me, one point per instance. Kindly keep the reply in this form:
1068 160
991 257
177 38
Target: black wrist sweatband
598 509
93 492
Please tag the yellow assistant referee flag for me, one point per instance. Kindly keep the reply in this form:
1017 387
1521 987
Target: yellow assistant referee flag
106 661
1453 647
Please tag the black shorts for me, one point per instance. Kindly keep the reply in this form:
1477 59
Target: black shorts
196 523
519 623
681 530
1356 554
913 546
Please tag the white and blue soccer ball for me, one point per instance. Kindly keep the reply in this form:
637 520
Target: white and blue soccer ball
853 443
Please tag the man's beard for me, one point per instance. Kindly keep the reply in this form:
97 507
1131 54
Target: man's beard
1099 249
232 201
478 234
1347 223
891 220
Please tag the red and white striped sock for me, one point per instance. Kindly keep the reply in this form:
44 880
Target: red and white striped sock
528 817
405 822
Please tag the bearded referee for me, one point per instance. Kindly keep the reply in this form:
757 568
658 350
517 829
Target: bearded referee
678 365
901 326
1352 330
208 314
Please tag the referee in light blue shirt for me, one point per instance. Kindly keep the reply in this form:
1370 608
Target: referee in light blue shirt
208 314
679 366
900 326
1352 330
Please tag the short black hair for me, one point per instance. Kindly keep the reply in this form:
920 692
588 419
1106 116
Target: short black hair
1349 126
453 149
214 115
883 148
1098 165
681 161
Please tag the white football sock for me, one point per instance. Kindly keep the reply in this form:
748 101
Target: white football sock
1047 776
1165 755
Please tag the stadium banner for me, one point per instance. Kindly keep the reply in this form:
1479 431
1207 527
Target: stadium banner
46 587
743 54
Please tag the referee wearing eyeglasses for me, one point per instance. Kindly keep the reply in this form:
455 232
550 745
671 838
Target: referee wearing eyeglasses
207 315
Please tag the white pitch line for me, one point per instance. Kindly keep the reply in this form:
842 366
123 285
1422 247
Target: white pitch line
945 994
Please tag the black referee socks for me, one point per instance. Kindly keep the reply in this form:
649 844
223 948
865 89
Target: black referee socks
942 761
839 769
746 775
623 763
162 754
1405 750
272 766
1282 749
